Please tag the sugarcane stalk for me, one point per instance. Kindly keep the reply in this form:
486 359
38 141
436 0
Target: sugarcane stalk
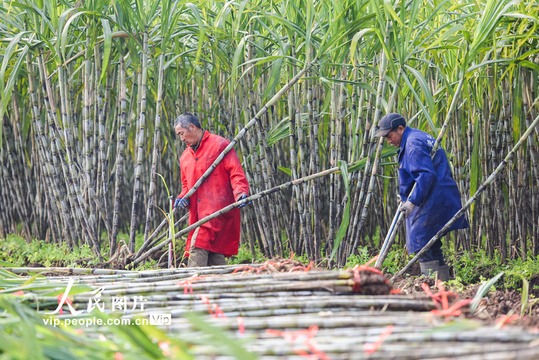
370 144
499 201
56 148
176 224
248 216
262 210
140 144
87 123
471 200
332 161
313 129
75 196
71 174
48 171
19 190
266 178
119 155
156 142
360 183
101 143
19 151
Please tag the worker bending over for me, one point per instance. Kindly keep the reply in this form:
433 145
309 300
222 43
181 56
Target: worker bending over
436 198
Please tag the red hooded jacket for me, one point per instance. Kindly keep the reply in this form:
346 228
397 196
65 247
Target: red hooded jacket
223 187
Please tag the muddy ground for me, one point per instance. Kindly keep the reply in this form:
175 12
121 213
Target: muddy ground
494 307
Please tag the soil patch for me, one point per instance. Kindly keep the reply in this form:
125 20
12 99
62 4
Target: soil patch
494 307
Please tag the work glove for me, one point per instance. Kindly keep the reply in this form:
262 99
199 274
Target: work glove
241 198
181 203
407 208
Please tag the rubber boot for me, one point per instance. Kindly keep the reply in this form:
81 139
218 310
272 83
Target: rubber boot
428 268
443 273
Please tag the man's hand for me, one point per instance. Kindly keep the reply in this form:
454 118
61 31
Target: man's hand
181 203
407 208
243 196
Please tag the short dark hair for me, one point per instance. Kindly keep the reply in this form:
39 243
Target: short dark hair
186 119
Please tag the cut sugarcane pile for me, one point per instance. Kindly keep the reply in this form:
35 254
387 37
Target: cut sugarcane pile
291 315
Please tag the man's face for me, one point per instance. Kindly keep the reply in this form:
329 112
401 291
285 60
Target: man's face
187 135
394 137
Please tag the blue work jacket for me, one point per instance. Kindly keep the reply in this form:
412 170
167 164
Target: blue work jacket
436 196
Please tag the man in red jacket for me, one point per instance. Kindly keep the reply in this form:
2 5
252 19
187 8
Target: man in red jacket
208 244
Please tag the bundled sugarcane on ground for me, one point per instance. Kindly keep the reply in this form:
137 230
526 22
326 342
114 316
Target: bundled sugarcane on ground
90 91
233 312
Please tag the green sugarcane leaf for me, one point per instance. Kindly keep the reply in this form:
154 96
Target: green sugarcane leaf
201 33
389 8
491 15
310 20
456 326
285 170
346 216
475 174
525 291
453 30
107 33
418 99
482 291
7 264
238 55
218 336
33 278
278 131
490 62
529 64
63 37
425 88
10 85
357 166
361 85
274 76
6 90
135 335
355 40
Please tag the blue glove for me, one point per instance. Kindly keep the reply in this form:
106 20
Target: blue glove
181 203
241 198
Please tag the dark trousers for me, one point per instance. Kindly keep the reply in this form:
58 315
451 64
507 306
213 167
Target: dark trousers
434 253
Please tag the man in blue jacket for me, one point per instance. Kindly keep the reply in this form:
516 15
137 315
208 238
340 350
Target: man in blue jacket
436 198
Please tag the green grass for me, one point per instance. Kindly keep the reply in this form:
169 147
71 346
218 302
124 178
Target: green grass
245 257
470 268
473 268
16 251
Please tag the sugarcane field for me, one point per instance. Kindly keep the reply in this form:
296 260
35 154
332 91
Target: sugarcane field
301 179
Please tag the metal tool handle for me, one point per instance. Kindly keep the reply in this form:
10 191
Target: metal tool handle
390 238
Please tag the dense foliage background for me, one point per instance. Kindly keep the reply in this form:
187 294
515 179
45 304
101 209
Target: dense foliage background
90 90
